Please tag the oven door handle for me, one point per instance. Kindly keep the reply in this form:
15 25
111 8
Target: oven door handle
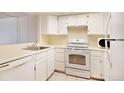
68 49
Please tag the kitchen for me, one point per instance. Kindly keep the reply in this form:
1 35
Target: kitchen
59 46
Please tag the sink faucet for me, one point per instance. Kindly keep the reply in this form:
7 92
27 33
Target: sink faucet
34 45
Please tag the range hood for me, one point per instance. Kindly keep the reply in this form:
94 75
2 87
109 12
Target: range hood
78 26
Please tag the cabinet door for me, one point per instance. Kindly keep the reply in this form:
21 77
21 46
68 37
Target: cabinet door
25 71
96 68
62 25
7 75
52 26
51 65
41 70
60 60
48 24
60 57
72 20
96 23
51 61
82 19
60 66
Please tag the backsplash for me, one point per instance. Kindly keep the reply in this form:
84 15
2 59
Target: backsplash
77 32
93 40
57 40
73 32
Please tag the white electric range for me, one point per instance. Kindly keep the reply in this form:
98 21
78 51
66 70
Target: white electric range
78 58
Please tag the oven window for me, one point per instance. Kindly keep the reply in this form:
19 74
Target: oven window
77 59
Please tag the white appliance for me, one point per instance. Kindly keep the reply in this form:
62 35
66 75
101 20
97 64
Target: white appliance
77 58
115 25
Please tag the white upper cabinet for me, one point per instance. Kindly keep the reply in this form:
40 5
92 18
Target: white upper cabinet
72 20
96 23
76 20
48 24
83 19
62 25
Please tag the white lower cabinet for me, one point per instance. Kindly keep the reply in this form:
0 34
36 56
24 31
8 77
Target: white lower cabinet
45 64
60 59
7 75
41 70
25 72
36 67
97 65
51 62
20 70
60 66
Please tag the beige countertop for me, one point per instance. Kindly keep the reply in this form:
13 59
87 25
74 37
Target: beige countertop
56 46
96 49
10 55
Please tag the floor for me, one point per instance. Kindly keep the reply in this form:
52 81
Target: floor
57 76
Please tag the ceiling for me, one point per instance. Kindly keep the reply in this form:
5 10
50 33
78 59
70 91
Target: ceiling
15 14
55 13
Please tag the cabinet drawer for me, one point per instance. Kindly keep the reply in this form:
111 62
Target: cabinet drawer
60 57
60 66
41 55
15 63
96 53
59 50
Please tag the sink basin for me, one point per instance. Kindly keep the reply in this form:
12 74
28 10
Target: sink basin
36 48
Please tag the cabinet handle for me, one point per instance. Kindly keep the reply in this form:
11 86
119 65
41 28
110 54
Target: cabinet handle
19 65
4 66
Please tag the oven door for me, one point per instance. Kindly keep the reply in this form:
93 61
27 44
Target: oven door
77 58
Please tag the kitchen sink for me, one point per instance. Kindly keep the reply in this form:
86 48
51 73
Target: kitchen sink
35 48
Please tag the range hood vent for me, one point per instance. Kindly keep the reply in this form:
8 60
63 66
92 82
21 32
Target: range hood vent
78 27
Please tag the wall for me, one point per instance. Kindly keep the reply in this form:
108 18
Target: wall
77 32
93 40
73 32
57 40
